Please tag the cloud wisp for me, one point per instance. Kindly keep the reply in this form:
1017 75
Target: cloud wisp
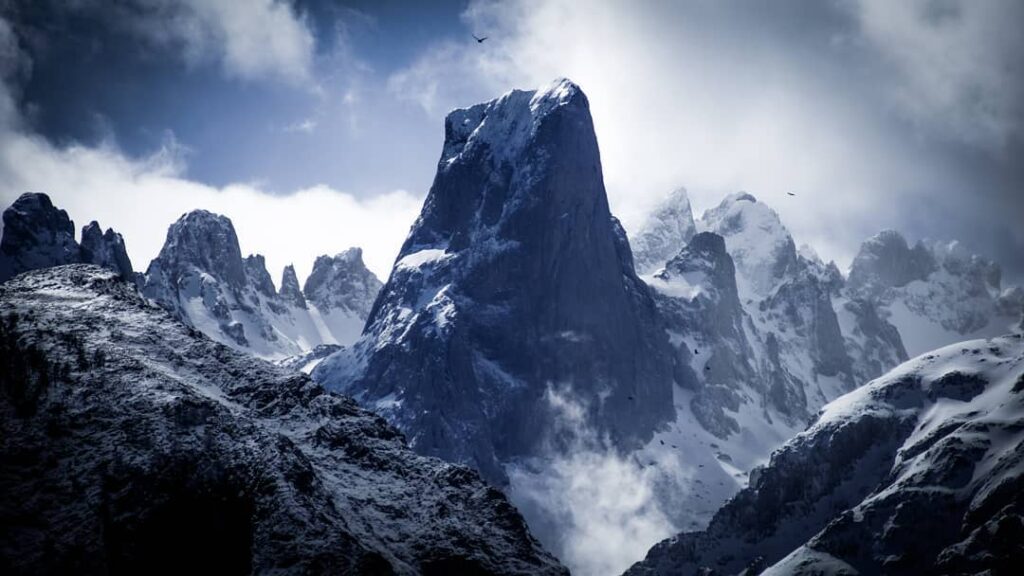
594 507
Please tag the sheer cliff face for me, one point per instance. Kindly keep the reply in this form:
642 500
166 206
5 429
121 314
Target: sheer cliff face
36 235
515 278
132 444
105 249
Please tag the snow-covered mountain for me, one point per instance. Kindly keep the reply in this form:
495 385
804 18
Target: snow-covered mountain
767 335
201 277
669 227
342 290
919 472
755 325
514 280
133 444
934 293
36 235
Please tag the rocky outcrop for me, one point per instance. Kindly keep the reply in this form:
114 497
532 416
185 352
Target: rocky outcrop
290 291
341 291
105 249
342 282
886 261
131 444
36 235
514 279
699 302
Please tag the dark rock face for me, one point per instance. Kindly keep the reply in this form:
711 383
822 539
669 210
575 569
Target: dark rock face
515 278
204 241
696 292
105 249
290 291
131 444
915 473
876 342
257 276
36 235
804 305
885 260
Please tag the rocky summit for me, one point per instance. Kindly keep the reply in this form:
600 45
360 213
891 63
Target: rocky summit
201 277
37 234
514 280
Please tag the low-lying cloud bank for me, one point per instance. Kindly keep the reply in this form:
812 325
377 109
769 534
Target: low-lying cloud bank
595 508
131 195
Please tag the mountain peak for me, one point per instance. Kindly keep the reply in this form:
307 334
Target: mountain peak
495 292
208 242
668 228
290 291
886 260
352 255
36 234
761 246
503 128
106 249
342 282
259 278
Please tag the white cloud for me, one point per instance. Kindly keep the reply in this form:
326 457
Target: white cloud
957 64
251 39
701 95
307 126
141 198
594 508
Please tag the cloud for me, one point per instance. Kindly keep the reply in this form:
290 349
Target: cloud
249 39
956 65
307 126
596 509
720 98
142 197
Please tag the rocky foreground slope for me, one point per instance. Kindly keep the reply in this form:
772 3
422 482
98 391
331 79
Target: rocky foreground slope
919 472
131 443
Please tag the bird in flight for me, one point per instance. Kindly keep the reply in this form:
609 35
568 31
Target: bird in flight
478 40
790 193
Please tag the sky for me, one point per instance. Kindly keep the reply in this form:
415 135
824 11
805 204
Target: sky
316 125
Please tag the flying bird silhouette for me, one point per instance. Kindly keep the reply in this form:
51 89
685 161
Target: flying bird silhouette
790 193
478 40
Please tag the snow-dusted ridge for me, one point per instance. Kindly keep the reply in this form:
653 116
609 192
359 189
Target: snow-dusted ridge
920 471
132 442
